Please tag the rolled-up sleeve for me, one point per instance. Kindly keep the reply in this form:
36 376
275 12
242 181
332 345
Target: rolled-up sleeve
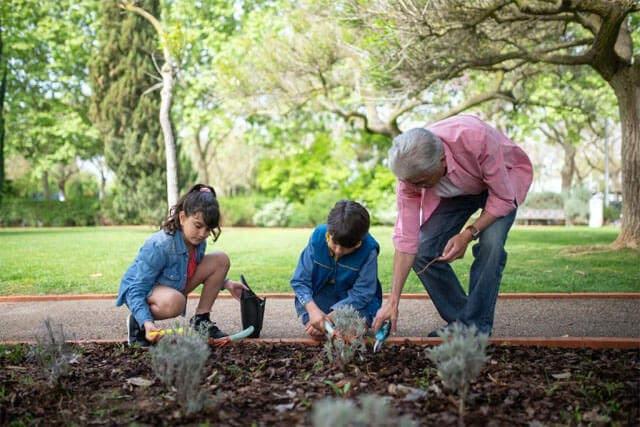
406 231
301 280
149 263
501 199
365 286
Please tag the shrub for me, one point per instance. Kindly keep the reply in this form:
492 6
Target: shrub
459 359
544 200
612 212
349 336
38 213
240 210
52 352
373 411
273 214
576 205
178 361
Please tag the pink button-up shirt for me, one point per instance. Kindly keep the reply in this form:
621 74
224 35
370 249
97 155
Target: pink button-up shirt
478 158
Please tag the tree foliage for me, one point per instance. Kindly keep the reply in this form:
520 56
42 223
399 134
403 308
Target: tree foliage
43 58
418 42
125 115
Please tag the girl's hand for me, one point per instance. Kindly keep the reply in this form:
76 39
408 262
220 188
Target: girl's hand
235 288
148 327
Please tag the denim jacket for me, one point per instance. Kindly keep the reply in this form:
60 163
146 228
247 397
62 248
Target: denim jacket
162 259
351 280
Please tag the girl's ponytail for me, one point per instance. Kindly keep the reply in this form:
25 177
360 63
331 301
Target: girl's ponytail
200 198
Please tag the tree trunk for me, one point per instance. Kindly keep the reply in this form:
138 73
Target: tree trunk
3 90
203 172
45 185
167 131
626 84
569 167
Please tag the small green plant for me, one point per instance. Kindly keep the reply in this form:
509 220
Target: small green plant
349 336
373 411
459 360
340 391
52 352
178 361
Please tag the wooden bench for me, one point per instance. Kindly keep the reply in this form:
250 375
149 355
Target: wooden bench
528 216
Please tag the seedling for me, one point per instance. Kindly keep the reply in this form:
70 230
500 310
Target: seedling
459 360
52 352
372 411
178 361
347 337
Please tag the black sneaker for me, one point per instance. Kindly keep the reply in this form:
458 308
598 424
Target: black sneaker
201 322
135 333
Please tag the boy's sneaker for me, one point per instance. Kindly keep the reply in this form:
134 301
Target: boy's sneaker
202 321
135 333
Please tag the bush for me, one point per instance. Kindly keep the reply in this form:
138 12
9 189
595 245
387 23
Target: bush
612 212
178 361
314 210
273 214
49 213
544 200
240 210
576 205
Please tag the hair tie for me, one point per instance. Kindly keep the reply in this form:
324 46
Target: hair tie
205 190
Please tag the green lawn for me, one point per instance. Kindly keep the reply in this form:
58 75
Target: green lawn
92 260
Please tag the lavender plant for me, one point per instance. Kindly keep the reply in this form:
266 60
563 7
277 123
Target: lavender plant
348 341
373 411
178 361
459 360
52 351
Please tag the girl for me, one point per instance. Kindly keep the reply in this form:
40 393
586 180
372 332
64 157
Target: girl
172 263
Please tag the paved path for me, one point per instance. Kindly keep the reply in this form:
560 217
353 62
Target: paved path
520 317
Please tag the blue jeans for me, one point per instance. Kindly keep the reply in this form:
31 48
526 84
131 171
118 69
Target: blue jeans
442 284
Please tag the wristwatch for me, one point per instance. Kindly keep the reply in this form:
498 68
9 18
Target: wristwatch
475 233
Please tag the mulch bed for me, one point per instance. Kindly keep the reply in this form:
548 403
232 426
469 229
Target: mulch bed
269 384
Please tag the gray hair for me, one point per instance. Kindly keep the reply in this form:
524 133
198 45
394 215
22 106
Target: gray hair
414 153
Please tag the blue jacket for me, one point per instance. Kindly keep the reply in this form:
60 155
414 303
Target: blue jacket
162 259
352 280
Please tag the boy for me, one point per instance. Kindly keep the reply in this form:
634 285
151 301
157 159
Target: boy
338 267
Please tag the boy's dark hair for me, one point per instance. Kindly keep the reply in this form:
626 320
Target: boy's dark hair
347 223
199 198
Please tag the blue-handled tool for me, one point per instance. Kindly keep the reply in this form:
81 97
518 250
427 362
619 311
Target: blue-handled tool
382 335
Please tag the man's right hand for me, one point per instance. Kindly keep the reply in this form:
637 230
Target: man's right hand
389 310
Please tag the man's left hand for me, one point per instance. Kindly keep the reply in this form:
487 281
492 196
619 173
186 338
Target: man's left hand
235 288
456 247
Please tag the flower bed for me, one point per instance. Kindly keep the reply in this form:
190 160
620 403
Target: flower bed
277 384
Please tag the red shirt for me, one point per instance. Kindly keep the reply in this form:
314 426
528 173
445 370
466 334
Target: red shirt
191 265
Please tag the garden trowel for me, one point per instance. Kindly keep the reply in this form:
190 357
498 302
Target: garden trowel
382 335
221 342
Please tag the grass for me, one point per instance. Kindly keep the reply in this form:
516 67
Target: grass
79 260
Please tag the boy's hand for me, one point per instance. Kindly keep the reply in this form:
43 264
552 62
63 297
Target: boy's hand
235 288
148 327
316 316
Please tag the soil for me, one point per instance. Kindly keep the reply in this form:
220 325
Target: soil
276 384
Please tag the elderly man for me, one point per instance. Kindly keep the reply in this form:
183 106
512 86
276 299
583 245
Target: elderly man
445 173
